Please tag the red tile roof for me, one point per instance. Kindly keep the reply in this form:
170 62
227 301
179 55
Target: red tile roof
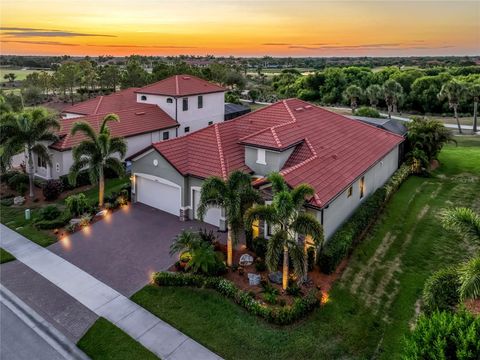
122 100
141 120
331 150
181 85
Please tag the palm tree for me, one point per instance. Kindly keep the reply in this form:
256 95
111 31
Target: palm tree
374 93
469 274
235 195
285 218
353 94
97 153
28 129
474 92
392 91
454 91
464 221
10 77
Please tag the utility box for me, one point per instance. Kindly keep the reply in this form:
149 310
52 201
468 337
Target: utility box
27 214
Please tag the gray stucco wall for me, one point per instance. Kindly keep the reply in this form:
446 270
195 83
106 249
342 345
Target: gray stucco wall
163 170
340 209
274 160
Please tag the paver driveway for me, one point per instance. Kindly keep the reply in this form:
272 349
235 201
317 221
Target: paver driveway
124 249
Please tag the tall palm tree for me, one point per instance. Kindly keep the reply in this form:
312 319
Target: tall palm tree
474 92
469 274
285 218
97 153
392 91
454 91
374 94
353 94
28 129
235 195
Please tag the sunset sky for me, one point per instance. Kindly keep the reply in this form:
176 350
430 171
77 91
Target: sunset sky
240 28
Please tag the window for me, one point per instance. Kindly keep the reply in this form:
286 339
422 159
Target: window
185 104
261 157
57 167
187 129
200 102
362 187
350 191
143 98
166 135
41 162
169 100
210 122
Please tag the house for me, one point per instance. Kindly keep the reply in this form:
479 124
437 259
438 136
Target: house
343 159
166 109
233 111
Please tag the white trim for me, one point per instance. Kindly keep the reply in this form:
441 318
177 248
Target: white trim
261 156
142 155
192 189
158 179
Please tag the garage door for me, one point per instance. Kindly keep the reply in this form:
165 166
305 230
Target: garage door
213 214
158 195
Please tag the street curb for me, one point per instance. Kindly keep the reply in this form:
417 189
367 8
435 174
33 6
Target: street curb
43 328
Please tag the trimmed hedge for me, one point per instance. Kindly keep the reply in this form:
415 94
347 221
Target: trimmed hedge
349 234
84 179
442 291
274 314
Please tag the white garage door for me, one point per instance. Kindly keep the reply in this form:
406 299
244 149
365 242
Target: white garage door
158 195
213 214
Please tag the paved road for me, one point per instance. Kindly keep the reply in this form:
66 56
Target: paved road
20 342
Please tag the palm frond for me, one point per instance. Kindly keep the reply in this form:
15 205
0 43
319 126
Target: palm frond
185 241
297 255
115 165
84 128
300 193
260 212
85 148
106 119
464 221
42 151
75 169
275 246
469 274
307 224
118 145
278 182
238 179
214 191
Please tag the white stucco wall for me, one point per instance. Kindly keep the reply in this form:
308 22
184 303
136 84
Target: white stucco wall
343 206
213 109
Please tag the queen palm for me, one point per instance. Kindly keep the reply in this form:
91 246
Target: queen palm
353 94
454 91
97 153
285 218
392 91
235 195
28 129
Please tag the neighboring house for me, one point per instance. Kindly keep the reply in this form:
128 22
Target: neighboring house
233 111
344 160
157 112
192 102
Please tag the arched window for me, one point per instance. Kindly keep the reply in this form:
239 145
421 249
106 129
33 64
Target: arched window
169 100
143 98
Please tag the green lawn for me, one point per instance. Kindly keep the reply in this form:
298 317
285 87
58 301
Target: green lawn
21 74
106 341
372 305
111 185
5 256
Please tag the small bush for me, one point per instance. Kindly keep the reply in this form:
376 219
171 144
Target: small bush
22 189
367 112
270 298
293 289
16 180
77 204
52 189
444 335
82 180
6 176
441 291
50 212
7 202
260 246
85 220
260 265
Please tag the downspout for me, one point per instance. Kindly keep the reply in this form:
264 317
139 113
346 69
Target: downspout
176 111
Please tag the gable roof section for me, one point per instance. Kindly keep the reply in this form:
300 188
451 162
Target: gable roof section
142 120
331 150
122 100
181 85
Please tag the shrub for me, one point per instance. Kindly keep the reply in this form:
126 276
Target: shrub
77 204
270 298
276 315
444 335
441 291
367 112
6 176
260 246
7 202
22 189
16 180
82 180
52 189
85 220
50 212
293 289
397 179
260 265
52 224
71 228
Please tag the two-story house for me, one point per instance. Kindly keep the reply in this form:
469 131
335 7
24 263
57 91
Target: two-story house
343 159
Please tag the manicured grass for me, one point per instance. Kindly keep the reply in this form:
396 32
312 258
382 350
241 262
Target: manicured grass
14 218
106 341
111 185
375 301
21 74
5 256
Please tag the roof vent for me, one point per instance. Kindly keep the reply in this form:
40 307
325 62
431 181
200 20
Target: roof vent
140 113
299 109
308 106
186 78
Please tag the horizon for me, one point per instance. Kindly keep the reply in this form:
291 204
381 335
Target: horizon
315 29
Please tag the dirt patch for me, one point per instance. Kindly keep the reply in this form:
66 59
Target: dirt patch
473 306
418 309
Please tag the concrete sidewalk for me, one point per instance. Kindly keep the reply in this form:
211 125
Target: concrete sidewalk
153 333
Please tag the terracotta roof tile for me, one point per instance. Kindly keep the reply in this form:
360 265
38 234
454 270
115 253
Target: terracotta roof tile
181 85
